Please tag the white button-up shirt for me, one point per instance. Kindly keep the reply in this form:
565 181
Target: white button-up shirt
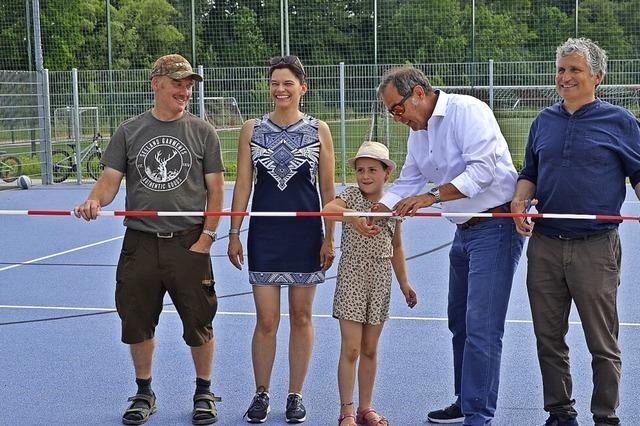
462 145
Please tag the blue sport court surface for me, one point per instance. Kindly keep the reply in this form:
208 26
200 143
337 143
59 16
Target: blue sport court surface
62 362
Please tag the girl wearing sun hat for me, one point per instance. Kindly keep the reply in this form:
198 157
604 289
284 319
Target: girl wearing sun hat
363 290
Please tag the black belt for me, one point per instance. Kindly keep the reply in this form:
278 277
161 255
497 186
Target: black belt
503 208
167 235
578 237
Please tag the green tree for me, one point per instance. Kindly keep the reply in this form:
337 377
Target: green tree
65 25
423 32
181 20
268 16
247 32
597 20
237 31
628 13
336 31
142 31
248 39
552 26
13 35
498 35
94 53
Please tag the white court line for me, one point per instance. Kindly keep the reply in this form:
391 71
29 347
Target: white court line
253 314
6 268
27 262
57 308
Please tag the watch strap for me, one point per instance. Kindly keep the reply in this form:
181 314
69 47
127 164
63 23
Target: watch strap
210 233
436 194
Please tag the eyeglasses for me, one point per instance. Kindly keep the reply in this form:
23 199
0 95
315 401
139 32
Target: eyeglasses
398 109
287 60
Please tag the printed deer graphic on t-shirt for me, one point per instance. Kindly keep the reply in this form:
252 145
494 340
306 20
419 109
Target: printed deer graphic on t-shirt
162 174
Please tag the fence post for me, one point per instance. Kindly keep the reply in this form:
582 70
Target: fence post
577 5
286 27
45 117
110 96
193 33
203 113
343 136
282 28
43 97
76 123
491 84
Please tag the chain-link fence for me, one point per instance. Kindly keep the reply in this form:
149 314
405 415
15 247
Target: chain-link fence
53 122
516 91
20 149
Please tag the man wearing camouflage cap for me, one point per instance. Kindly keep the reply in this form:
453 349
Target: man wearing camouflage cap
175 67
172 162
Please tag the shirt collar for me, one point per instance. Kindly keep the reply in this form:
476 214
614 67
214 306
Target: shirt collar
582 110
441 104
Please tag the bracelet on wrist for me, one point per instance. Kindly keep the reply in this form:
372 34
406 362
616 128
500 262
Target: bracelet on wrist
234 231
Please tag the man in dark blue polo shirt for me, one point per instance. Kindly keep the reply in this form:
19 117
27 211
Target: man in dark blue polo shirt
579 153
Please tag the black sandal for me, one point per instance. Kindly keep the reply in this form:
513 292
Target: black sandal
140 414
204 409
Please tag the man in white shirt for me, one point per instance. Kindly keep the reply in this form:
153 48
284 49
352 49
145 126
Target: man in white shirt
456 143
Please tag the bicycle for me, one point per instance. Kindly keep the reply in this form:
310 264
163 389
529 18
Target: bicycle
10 167
64 163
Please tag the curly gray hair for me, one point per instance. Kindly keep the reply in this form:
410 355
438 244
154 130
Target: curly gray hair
595 56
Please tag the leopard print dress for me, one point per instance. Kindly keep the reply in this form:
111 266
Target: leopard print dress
363 290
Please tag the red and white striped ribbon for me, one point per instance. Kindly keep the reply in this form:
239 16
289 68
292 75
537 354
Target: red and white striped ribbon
151 213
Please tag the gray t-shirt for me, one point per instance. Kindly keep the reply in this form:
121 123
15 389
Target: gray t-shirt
165 163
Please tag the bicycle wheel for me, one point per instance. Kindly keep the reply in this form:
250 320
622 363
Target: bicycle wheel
10 168
94 168
62 165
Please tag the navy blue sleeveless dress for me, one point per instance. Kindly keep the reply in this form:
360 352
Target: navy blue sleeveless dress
285 250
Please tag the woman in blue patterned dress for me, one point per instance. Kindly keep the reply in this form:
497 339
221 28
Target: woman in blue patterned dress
284 156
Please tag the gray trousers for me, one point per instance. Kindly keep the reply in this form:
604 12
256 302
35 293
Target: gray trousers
586 271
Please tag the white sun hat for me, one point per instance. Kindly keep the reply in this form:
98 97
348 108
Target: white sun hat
375 150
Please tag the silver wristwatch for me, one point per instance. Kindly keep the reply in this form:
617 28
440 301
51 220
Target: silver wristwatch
436 194
210 233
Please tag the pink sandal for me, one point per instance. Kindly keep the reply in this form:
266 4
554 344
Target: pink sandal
345 416
377 420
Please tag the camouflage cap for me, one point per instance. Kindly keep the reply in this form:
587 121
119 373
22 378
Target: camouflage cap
175 67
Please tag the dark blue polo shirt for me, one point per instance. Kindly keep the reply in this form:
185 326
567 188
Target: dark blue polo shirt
579 164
